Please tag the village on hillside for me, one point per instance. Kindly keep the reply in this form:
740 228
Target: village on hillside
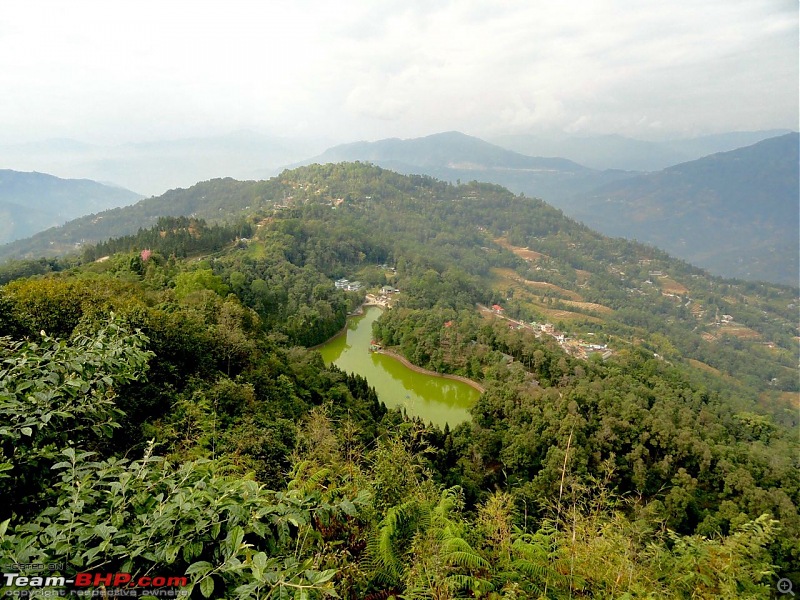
572 346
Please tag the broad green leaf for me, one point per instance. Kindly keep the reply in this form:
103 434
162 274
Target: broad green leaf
207 587
202 567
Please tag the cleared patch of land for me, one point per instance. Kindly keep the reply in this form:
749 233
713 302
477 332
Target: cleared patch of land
530 292
256 250
569 295
788 399
791 398
589 306
523 253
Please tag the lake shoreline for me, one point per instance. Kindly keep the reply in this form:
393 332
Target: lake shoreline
433 397
359 312
408 364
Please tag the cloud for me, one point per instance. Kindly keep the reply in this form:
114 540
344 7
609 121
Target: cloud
372 101
154 69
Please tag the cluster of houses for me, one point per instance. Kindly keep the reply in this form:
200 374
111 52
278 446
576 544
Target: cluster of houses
573 346
385 298
347 285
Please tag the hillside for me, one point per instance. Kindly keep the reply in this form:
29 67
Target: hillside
638 416
734 213
524 249
32 202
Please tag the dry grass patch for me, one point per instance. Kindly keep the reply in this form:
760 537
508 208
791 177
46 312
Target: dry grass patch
789 399
605 310
739 331
509 277
523 253
553 315
704 367
543 285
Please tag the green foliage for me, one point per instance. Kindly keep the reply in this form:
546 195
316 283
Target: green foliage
53 394
137 516
245 462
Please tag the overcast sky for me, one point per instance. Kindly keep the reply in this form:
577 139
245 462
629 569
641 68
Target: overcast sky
143 70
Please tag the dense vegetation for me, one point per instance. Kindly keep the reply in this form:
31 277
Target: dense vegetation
162 413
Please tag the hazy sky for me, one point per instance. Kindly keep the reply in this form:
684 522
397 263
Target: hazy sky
132 71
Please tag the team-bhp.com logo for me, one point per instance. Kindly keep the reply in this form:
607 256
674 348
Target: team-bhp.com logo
88 584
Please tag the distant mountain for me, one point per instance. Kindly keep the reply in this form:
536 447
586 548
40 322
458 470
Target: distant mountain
619 152
450 149
723 142
32 202
454 156
735 213
155 167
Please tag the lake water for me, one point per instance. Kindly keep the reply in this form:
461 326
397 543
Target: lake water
434 399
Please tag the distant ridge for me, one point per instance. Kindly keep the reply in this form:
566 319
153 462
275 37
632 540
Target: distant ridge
451 149
735 213
620 152
32 202
454 156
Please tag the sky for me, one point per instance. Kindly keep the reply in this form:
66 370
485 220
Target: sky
115 72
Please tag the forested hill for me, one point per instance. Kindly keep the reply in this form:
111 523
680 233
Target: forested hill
31 202
214 200
159 397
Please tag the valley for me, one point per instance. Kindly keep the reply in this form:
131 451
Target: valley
194 345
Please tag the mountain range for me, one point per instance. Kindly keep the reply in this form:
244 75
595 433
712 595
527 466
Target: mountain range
454 156
620 152
30 202
734 213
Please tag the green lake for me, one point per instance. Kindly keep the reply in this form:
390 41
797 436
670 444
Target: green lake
434 399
